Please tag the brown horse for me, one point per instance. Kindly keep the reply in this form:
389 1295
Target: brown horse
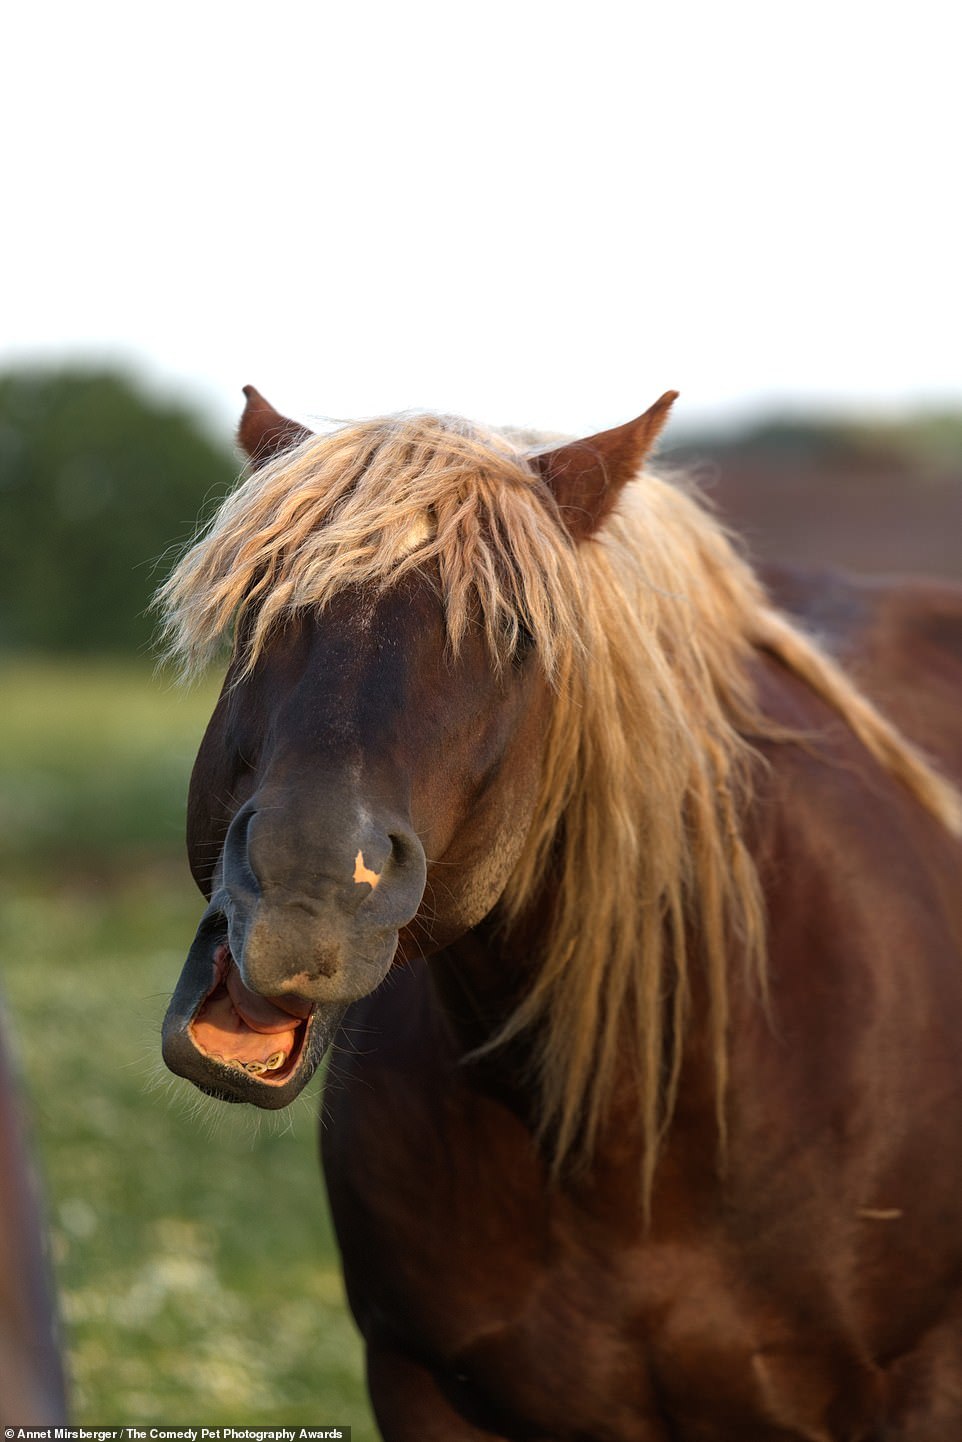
640 920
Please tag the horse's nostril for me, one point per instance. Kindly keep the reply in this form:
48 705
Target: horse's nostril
238 868
402 850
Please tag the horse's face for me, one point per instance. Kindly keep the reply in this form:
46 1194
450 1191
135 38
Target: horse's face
358 771
361 795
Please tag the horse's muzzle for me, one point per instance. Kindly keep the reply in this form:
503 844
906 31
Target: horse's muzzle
300 925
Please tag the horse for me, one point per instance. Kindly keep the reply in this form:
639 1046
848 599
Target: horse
632 912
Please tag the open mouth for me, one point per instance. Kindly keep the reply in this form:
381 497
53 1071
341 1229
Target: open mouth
230 1041
245 1031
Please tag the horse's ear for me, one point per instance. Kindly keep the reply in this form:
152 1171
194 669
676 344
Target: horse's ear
264 432
586 477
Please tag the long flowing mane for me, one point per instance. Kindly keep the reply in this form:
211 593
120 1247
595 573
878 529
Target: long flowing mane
646 633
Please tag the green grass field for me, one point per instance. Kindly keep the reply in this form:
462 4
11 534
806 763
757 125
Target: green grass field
197 1273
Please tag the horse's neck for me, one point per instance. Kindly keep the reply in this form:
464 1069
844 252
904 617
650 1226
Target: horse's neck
477 983
479 979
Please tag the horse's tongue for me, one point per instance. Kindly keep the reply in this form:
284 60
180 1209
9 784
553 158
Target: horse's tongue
259 1013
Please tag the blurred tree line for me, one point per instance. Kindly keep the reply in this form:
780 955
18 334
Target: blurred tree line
101 485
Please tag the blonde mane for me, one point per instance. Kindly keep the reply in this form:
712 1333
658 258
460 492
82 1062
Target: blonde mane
646 633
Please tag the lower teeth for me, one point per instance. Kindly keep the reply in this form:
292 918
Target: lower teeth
255 1068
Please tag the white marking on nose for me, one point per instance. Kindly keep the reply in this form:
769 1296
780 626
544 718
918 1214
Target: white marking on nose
364 873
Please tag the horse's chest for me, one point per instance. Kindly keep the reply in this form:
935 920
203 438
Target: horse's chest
556 1314
453 1253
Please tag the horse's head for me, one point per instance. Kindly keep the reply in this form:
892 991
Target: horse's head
367 781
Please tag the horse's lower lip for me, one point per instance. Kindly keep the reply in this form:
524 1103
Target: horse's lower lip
230 1080
233 1044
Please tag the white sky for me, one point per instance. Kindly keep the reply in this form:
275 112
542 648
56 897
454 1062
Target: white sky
535 213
